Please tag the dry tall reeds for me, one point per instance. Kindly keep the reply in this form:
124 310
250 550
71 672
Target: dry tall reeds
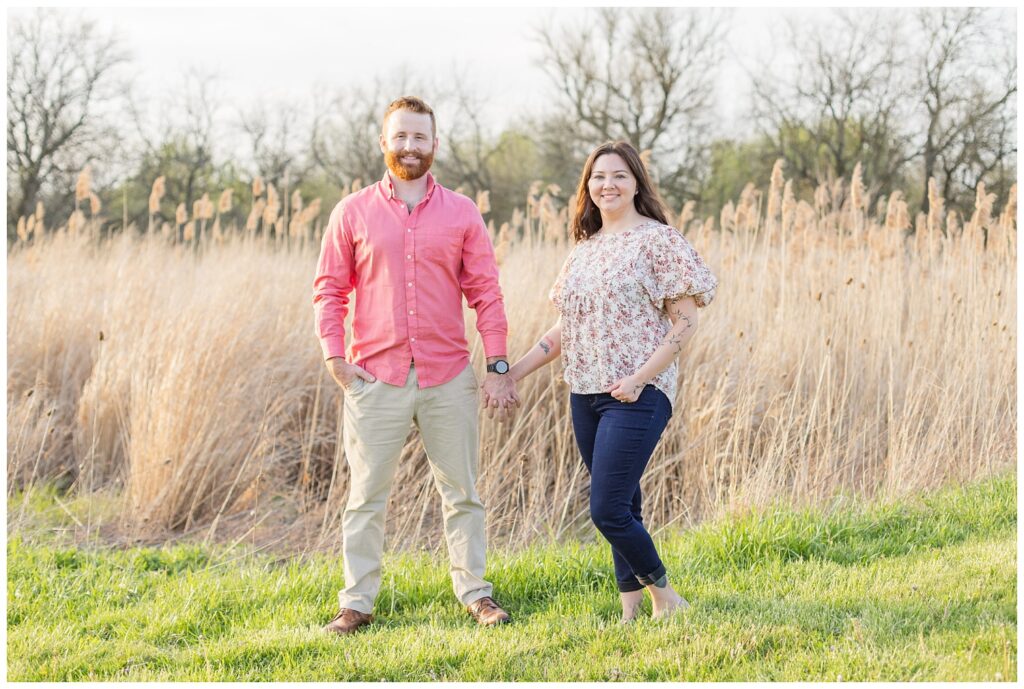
826 365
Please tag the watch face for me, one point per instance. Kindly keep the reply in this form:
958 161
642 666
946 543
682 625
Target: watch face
501 367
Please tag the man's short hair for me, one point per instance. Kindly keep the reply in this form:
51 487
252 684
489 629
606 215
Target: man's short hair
413 104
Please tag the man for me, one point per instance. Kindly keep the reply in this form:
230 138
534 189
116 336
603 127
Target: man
411 249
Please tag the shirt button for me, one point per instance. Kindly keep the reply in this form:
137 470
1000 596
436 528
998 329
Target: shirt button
410 284
411 312
409 229
409 256
412 339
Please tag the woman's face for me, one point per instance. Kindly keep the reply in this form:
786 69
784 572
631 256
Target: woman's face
612 186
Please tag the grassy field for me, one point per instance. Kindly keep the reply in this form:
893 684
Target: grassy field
921 589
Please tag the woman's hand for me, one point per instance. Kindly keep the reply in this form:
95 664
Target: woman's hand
627 389
682 311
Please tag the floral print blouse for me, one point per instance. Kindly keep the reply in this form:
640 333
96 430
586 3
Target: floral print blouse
611 294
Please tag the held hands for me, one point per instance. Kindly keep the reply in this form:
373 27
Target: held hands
627 389
345 374
499 395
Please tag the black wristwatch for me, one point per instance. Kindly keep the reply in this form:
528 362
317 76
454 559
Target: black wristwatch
500 366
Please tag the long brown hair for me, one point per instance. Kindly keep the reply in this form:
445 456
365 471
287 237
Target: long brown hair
586 221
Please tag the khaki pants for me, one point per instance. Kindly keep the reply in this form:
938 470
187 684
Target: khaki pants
377 419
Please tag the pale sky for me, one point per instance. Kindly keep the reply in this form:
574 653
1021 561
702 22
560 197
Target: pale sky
278 53
274 54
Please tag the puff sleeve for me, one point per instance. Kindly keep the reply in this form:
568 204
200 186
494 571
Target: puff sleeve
672 268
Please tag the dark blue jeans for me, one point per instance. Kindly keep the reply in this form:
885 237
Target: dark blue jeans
616 440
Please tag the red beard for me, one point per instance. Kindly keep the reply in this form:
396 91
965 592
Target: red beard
408 172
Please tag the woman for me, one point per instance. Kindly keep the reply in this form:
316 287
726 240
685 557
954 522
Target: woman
627 296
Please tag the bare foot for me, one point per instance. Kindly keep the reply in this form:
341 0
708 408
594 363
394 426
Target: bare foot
665 600
631 602
668 609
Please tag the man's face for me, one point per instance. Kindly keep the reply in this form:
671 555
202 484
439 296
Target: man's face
408 144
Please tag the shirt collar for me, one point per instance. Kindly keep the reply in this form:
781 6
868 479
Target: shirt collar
387 187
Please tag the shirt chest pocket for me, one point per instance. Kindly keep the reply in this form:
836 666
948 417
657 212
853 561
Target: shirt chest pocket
440 246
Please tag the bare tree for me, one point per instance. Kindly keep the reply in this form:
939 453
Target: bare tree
967 82
468 147
275 135
841 103
61 72
647 76
346 126
180 143
198 130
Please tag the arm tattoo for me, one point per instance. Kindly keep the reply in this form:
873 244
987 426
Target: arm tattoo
545 345
674 306
676 340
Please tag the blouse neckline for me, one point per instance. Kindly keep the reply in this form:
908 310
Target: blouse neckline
645 223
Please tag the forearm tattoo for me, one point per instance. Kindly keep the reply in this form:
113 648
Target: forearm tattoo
676 340
545 345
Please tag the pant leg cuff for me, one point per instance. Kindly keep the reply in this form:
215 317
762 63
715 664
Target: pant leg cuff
653 576
629 586
352 605
468 599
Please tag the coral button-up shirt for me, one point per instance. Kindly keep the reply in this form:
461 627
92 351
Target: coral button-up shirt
410 271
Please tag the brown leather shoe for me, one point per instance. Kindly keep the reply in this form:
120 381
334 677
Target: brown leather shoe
347 621
487 612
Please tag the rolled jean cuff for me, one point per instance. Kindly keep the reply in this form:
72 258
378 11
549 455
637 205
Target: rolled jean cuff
629 586
653 576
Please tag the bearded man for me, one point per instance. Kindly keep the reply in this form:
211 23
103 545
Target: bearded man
410 249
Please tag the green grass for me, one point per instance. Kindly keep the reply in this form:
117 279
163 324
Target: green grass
920 590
